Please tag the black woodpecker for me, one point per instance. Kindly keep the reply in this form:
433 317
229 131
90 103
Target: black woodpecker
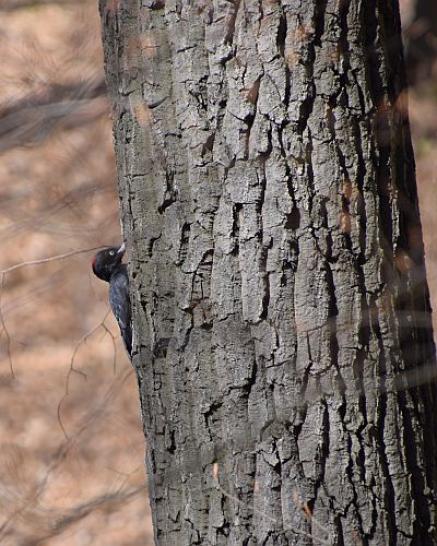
108 267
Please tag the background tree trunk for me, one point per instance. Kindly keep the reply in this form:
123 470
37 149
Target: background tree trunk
268 196
420 28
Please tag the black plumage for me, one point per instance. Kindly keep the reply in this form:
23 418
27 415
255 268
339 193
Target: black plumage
108 266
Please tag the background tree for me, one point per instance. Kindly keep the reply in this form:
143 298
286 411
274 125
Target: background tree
420 29
281 311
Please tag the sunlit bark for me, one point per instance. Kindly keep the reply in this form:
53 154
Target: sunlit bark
268 196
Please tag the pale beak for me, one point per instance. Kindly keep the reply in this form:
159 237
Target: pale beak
122 249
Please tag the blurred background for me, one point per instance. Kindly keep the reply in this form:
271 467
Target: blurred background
72 447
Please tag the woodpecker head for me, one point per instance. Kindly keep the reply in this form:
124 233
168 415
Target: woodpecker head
106 261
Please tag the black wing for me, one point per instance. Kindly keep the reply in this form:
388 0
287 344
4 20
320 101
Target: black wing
120 304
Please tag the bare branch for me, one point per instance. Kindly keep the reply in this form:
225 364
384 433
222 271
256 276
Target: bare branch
74 370
5 330
11 5
33 124
32 498
47 260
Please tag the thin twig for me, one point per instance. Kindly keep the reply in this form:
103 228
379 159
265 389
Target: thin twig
18 266
114 344
302 505
63 450
5 330
72 369
261 513
47 260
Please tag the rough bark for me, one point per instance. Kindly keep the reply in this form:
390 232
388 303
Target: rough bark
281 312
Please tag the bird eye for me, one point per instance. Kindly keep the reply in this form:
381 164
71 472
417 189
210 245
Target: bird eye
111 252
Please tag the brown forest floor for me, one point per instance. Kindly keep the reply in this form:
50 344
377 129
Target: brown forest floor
57 194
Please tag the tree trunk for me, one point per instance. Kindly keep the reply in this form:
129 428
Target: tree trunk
421 40
281 313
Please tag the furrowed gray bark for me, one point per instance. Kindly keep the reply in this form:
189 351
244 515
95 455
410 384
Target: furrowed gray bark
284 344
